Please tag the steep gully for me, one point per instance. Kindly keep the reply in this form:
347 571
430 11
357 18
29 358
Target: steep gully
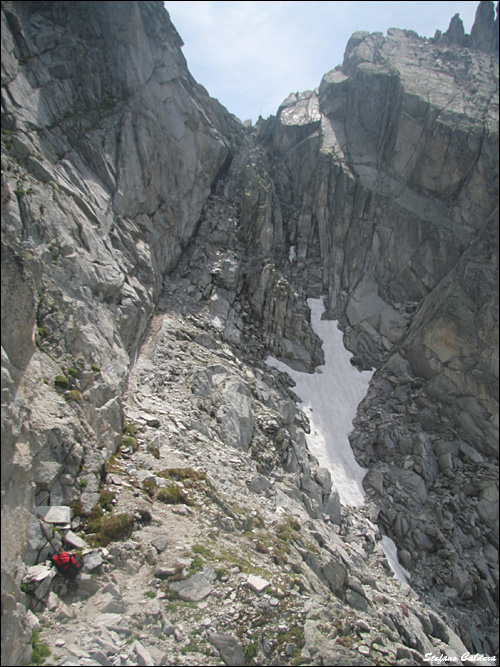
383 182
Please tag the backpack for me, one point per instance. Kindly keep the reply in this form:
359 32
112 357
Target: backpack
67 564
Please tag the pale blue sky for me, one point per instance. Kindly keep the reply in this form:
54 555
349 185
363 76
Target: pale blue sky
251 55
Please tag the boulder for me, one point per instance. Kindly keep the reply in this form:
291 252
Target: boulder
259 484
229 647
73 541
143 656
333 508
38 579
335 574
192 589
56 514
257 584
160 543
92 561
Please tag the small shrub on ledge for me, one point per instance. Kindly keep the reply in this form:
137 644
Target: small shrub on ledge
74 395
174 495
61 382
129 441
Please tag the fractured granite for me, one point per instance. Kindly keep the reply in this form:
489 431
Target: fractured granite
154 251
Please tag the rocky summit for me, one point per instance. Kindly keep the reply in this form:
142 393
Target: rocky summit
156 251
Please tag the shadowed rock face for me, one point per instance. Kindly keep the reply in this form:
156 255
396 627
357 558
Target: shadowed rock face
123 181
111 151
392 177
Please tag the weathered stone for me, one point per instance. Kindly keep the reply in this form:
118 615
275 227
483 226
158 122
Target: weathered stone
324 479
413 483
74 541
445 462
100 657
469 453
143 655
423 541
114 622
38 579
439 628
376 480
87 585
236 415
164 572
192 589
362 626
229 647
32 621
92 561
112 605
257 584
376 191
259 484
333 508
336 574
356 600
160 543
114 479
55 514
168 628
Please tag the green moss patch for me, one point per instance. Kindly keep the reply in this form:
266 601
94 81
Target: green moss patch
129 441
40 651
149 485
106 499
173 494
111 528
61 382
129 429
42 331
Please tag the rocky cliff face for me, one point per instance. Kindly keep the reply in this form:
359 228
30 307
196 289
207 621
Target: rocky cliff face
129 197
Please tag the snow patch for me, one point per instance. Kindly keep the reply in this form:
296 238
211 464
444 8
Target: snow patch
330 398
391 553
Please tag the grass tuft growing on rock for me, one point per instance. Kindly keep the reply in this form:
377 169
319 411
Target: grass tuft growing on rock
61 382
154 450
129 441
185 475
111 528
149 485
294 637
202 550
77 509
106 499
42 331
250 652
40 651
74 395
129 429
173 494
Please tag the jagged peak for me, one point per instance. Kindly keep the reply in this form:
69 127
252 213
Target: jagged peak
363 45
484 33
